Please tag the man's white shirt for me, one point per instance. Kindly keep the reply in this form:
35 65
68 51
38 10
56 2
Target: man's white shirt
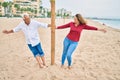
31 31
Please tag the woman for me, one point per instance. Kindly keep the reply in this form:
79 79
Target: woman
71 41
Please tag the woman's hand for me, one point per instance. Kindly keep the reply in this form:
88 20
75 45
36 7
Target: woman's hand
103 30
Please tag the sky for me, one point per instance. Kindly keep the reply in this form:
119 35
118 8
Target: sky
89 8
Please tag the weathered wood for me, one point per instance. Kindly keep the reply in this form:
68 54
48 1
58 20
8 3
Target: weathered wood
52 32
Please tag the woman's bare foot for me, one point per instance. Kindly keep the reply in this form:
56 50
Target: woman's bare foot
69 67
62 66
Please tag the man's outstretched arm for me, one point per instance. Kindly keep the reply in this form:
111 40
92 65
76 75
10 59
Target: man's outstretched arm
7 31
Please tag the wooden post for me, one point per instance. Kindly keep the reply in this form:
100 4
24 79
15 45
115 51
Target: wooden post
52 32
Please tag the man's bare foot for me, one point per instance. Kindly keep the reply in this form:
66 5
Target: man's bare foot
45 65
41 66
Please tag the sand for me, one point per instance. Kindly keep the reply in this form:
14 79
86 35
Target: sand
97 56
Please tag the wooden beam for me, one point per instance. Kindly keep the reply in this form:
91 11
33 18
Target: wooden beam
52 32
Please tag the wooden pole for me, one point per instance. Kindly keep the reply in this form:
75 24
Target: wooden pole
52 32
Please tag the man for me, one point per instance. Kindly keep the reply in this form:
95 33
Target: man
30 30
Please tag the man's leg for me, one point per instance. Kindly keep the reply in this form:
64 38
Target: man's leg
39 61
35 53
41 53
43 60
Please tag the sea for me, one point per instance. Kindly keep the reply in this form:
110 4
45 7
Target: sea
114 23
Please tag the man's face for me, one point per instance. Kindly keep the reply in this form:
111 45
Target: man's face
27 20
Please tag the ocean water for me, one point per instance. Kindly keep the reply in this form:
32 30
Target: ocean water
114 23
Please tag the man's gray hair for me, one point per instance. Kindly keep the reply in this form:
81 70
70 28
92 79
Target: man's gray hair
25 14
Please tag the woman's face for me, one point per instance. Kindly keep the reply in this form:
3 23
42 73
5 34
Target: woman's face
76 20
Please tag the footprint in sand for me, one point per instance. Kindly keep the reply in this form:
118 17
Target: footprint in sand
54 78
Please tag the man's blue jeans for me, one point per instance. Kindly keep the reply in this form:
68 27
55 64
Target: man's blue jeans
68 49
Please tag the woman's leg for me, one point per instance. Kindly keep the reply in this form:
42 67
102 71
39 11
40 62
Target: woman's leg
71 49
65 48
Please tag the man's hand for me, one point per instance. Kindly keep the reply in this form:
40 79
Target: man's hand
7 32
49 25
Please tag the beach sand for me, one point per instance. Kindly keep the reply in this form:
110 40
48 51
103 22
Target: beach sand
97 56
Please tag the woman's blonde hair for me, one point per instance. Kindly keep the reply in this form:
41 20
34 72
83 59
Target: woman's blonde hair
80 19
